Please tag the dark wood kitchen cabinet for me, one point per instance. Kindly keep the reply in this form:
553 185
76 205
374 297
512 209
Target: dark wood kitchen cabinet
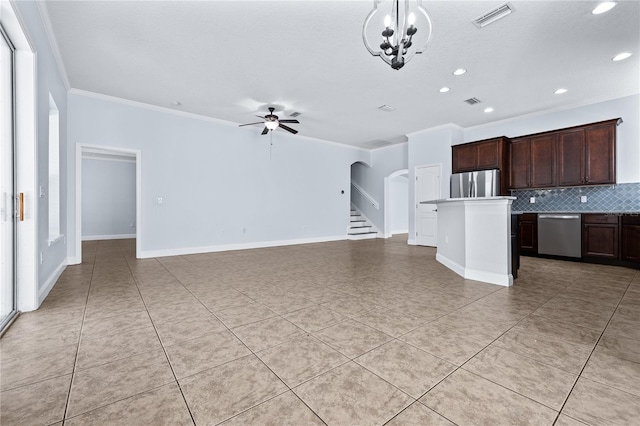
532 162
586 154
600 236
630 249
482 155
528 233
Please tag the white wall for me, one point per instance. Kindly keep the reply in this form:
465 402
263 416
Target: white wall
221 188
399 204
48 80
429 147
628 134
384 161
108 199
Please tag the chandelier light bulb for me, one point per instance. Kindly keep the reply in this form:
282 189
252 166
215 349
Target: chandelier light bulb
387 21
412 18
621 56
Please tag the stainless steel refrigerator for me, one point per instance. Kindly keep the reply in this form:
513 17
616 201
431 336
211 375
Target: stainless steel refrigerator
484 183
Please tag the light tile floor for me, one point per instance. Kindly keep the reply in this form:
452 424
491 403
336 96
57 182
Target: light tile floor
342 333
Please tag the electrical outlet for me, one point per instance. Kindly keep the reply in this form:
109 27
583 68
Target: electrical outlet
160 200
583 198
532 200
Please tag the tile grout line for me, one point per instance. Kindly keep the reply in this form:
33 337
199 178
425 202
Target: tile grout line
135 280
75 361
564 403
289 389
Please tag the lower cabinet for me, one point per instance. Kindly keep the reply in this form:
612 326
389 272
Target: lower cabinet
630 247
528 233
600 236
606 238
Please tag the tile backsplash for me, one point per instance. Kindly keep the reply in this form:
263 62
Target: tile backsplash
621 198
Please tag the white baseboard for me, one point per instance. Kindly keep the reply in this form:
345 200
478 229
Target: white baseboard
73 260
107 237
454 266
489 277
412 242
473 274
51 281
244 246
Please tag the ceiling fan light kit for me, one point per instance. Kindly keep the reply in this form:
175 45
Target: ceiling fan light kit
405 28
272 122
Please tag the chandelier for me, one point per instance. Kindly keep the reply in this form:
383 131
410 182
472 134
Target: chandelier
405 28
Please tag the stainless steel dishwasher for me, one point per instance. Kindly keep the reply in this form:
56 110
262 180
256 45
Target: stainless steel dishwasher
560 234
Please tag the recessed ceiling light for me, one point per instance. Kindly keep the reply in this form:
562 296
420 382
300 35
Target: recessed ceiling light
459 71
604 7
444 89
175 103
621 56
560 91
489 109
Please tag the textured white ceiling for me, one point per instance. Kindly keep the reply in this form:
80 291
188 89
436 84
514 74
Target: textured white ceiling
229 59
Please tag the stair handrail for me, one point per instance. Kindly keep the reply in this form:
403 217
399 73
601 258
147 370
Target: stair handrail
368 197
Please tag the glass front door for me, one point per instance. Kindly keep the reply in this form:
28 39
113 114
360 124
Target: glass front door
8 213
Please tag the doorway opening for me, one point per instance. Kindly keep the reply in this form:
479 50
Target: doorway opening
396 203
108 195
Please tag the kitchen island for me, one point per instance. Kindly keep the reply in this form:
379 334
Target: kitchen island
474 238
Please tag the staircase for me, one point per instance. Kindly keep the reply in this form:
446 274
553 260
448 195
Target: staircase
359 227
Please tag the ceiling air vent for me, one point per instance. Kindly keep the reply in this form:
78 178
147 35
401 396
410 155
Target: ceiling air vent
295 114
493 15
472 101
386 108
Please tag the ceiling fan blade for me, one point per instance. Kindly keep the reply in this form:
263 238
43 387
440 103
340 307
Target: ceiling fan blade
259 116
251 124
289 121
287 128
265 131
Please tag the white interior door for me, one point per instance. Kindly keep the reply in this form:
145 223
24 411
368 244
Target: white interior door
427 189
7 185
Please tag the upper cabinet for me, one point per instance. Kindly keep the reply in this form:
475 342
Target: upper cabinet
587 154
532 162
576 156
583 155
482 155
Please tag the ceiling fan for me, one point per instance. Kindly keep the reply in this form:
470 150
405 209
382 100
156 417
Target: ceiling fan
272 122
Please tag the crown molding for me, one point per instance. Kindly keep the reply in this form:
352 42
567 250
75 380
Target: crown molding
53 42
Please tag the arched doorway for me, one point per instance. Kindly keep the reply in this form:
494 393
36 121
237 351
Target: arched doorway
396 203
